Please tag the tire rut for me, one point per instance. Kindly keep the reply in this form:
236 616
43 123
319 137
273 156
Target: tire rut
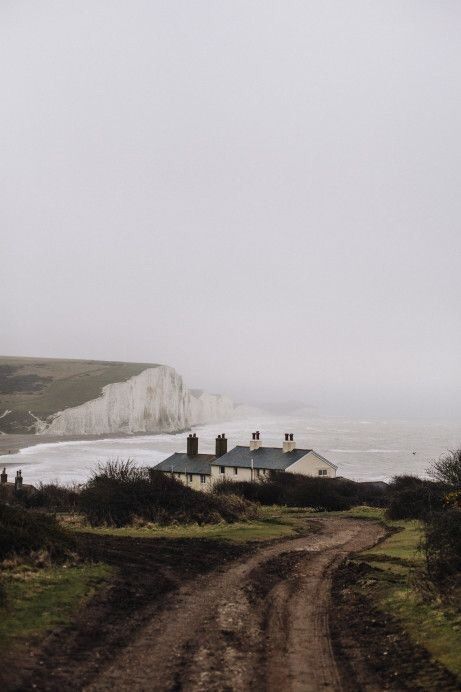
260 623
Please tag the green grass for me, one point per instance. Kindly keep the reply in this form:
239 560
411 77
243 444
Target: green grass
435 628
396 563
37 600
273 522
402 545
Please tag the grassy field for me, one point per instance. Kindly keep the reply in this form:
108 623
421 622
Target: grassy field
35 601
44 386
273 522
397 569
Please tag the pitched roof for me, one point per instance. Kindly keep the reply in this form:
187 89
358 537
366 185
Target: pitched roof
273 458
182 463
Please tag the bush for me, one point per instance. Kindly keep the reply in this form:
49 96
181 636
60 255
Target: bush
120 492
23 531
442 548
411 497
56 498
447 470
294 490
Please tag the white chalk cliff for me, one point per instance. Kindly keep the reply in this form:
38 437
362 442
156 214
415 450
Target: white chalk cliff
155 401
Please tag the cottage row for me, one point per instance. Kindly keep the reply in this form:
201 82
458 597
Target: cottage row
243 463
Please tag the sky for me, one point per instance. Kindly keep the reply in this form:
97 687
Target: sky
264 195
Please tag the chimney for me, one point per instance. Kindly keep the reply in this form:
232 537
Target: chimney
3 477
221 445
18 481
192 445
255 442
288 444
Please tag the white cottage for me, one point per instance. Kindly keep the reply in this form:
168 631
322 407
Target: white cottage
244 463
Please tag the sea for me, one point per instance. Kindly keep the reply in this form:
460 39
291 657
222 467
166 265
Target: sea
362 449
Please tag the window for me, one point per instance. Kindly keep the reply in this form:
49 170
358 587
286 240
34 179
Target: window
202 478
189 477
222 469
323 472
235 470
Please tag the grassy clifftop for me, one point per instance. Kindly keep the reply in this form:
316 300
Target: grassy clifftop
46 385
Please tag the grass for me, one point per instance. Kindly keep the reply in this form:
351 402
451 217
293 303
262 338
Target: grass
396 564
273 522
38 600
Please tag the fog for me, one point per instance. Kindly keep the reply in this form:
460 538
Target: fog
264 195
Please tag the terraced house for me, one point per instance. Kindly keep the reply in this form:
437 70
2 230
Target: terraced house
243 463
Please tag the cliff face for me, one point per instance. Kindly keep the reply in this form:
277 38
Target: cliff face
207 408
154 401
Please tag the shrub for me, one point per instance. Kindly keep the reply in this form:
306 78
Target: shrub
295 491
120 492
23 531
56 498
447 470
442 548
372 493
411 497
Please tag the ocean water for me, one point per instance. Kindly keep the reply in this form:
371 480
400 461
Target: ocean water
362 449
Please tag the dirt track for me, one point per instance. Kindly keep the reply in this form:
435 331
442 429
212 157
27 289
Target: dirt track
260 623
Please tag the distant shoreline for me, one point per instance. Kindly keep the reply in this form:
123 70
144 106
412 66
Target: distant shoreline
13 444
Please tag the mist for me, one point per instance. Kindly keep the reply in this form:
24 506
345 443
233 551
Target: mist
264 195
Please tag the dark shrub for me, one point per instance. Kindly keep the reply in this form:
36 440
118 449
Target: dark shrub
373 493
295 490
447 470
120 492
411 497
322 494
264 492
23 531
56 498
442 548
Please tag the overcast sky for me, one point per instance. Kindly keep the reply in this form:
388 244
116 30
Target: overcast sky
265 195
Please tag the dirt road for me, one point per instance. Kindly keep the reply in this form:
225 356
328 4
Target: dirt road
260 623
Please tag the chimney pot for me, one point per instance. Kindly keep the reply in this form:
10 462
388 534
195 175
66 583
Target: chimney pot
221 446
192 445
255 442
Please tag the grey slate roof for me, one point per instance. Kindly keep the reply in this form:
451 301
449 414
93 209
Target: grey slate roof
181 463
272 458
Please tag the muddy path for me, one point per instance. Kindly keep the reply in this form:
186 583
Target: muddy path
197 614
260 623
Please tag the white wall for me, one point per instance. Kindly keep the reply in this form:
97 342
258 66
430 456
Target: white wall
310 465
195 483
229 474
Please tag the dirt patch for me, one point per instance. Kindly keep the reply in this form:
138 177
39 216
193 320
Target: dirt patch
261 623
147 570
209 616
371 645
